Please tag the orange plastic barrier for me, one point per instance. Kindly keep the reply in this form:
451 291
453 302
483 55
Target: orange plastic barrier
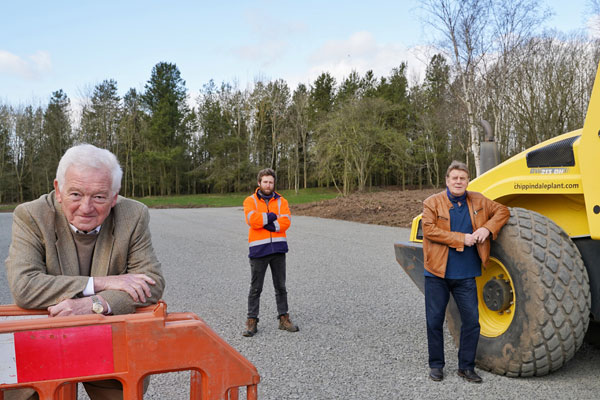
51 351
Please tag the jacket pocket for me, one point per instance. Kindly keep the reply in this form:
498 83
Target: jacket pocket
443 222
480 219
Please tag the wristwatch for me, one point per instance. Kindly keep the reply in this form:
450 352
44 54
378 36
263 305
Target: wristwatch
97 306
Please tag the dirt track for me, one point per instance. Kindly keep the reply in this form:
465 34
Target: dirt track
390 207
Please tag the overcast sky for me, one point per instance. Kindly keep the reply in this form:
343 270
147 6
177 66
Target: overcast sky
73 45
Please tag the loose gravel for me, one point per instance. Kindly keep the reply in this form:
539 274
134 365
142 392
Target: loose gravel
362 323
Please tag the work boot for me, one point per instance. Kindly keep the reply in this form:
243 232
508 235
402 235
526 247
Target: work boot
285 323
250 327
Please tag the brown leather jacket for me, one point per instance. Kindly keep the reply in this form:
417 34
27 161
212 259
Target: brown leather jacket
437 237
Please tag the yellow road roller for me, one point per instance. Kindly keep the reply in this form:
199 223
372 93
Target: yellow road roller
541 289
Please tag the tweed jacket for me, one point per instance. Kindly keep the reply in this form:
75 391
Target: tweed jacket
437 237
42 265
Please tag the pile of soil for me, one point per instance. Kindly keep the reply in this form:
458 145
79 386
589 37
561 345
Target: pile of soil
389 207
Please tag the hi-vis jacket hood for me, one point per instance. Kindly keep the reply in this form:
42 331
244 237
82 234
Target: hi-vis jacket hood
263 242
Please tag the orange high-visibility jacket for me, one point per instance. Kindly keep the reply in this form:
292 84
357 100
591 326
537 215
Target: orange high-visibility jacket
267 234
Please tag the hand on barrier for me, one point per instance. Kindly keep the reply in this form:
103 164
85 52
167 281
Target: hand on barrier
79 306
134 284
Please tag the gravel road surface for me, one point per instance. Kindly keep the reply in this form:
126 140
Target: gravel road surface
362 323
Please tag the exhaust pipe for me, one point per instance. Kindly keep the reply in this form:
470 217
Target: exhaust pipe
489 156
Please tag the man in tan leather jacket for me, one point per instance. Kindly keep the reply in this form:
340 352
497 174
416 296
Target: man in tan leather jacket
456 240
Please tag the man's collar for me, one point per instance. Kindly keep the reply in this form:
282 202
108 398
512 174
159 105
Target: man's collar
94 231
260 195
264 196
454 198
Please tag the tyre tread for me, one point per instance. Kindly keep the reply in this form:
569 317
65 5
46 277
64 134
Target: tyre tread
563 296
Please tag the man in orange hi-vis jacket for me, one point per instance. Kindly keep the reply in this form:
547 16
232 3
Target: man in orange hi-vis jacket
268 215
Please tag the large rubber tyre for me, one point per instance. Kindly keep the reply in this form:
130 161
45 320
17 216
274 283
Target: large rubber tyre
551 295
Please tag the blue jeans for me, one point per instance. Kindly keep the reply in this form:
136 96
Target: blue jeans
258 269
437 295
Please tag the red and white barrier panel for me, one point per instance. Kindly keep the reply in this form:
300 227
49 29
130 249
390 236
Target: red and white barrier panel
62 353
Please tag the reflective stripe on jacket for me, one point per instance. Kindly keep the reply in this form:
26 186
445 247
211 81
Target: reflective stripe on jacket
261 241
437 237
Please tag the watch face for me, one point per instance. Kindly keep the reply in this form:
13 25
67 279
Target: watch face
97 307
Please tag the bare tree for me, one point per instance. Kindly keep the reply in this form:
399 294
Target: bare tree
350 139
299 122
6 131
475 32
549 91
594 22
279 99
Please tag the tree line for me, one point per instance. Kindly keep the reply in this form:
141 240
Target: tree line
359 132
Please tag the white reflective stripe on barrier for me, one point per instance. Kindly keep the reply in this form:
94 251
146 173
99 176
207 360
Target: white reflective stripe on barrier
17 317
8 361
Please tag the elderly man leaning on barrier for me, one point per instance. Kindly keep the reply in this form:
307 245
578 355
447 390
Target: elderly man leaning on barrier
83 249
456 230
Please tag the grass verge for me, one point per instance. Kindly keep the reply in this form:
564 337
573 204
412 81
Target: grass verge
220 200
233 199
7 207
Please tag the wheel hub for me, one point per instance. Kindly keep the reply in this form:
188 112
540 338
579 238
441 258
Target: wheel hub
497 294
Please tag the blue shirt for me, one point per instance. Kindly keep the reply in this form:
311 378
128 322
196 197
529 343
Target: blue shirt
467 263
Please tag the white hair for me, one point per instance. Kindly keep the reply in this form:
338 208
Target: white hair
90 156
